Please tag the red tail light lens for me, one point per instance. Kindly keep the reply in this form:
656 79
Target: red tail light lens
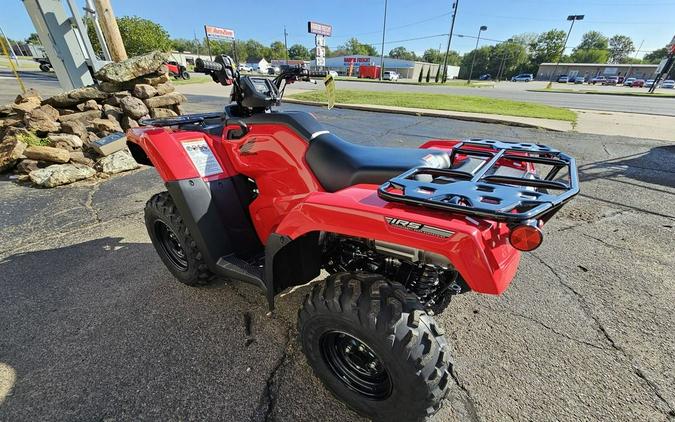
526 237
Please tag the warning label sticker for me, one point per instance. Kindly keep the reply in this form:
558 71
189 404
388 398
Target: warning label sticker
202 157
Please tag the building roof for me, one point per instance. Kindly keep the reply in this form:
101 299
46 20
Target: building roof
601 65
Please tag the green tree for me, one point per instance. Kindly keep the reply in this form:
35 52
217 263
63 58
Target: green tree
484 57
402 53
433 55
298 52
277 51
656 56
593 55
620 48
33 38
353 46
593 40
547 47
139 36
508 58
185 45
254 49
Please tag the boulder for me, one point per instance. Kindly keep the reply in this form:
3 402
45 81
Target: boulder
76 96
6 109
128 123
75 127
83 116
65 139
155 79
132 68
51 154
144 91
26 166
117 162
79 158
42 119
88 105
161 113
60 174
11 151
106 125
10 121
165 88
112 112
133 107
165 100
27 102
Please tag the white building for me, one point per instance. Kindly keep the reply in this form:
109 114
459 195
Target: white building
408 69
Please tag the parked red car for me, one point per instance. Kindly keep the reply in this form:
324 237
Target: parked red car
638 83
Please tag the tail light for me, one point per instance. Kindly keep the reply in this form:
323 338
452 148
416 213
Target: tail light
526 237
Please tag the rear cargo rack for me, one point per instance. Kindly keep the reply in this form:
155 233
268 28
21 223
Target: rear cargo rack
480 181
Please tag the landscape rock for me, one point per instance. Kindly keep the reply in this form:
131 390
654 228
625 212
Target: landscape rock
144 91
83 116
89 105
6 109
10 121
75 127
117 162
11 151
27 102
112 112
26 166
106 125
154 80
161 113
67 139
54 155
133 107
42 119
165 100
128 123
60 174
76 96
165 88
79 158
132 68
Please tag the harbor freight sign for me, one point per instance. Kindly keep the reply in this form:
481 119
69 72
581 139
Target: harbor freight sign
319 29
215 33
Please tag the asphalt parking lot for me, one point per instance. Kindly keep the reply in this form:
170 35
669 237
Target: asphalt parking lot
95 328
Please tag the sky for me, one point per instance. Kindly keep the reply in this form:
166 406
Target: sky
413 24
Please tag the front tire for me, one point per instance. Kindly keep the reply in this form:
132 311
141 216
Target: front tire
173 241
185 75
371 344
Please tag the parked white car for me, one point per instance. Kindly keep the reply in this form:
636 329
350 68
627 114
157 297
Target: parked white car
649 83
668 84
390 75
333 73
245 68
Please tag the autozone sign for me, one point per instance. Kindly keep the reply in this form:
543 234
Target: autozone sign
319 28
218 33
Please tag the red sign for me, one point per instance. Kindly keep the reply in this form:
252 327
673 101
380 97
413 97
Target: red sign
218 33
319 28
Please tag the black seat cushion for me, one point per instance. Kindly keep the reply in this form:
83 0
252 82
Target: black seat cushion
338 164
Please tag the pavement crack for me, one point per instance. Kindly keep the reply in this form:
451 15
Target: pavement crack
268 401
614 345
470 413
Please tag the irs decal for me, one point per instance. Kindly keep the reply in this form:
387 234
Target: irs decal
418 227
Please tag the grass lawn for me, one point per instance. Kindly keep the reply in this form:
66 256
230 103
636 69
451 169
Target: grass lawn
192 80
596 92
25 63
465 103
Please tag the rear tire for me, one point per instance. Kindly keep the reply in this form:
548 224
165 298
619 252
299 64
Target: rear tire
173 241
372 345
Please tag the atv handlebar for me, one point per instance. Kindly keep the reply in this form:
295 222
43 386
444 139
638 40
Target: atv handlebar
202 66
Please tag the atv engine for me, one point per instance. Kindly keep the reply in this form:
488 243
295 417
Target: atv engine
429 276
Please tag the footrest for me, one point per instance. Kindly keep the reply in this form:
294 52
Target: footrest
238 269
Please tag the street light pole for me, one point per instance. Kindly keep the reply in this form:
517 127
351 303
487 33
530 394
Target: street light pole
447 50
384 28
572 18
475 51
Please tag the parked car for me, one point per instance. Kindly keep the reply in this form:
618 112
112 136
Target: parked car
273 70
612 80
668 84
629 82
45 64
333 73
245 68
523 77
621 79
579 80
649 83
390 75
638 83
598 79
563 79
486 77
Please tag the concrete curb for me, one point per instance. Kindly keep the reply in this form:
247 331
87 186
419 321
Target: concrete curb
427 113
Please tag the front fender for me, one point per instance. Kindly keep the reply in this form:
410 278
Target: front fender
477 248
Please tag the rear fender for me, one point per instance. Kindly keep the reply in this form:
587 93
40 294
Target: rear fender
478 249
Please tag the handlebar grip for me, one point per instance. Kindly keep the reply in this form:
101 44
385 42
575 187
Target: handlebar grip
203 66
317 73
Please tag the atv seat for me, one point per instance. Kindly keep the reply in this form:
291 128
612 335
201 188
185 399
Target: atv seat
338 164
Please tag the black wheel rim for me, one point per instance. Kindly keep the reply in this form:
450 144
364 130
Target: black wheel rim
171 246
356 365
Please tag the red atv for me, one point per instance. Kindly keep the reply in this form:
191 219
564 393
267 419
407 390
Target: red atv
273 198
177 70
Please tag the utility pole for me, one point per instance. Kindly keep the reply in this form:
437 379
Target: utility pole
286 44
631 65
447 50
384 28
112 33
572 18
475 52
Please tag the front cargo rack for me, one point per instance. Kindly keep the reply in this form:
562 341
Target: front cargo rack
491 179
